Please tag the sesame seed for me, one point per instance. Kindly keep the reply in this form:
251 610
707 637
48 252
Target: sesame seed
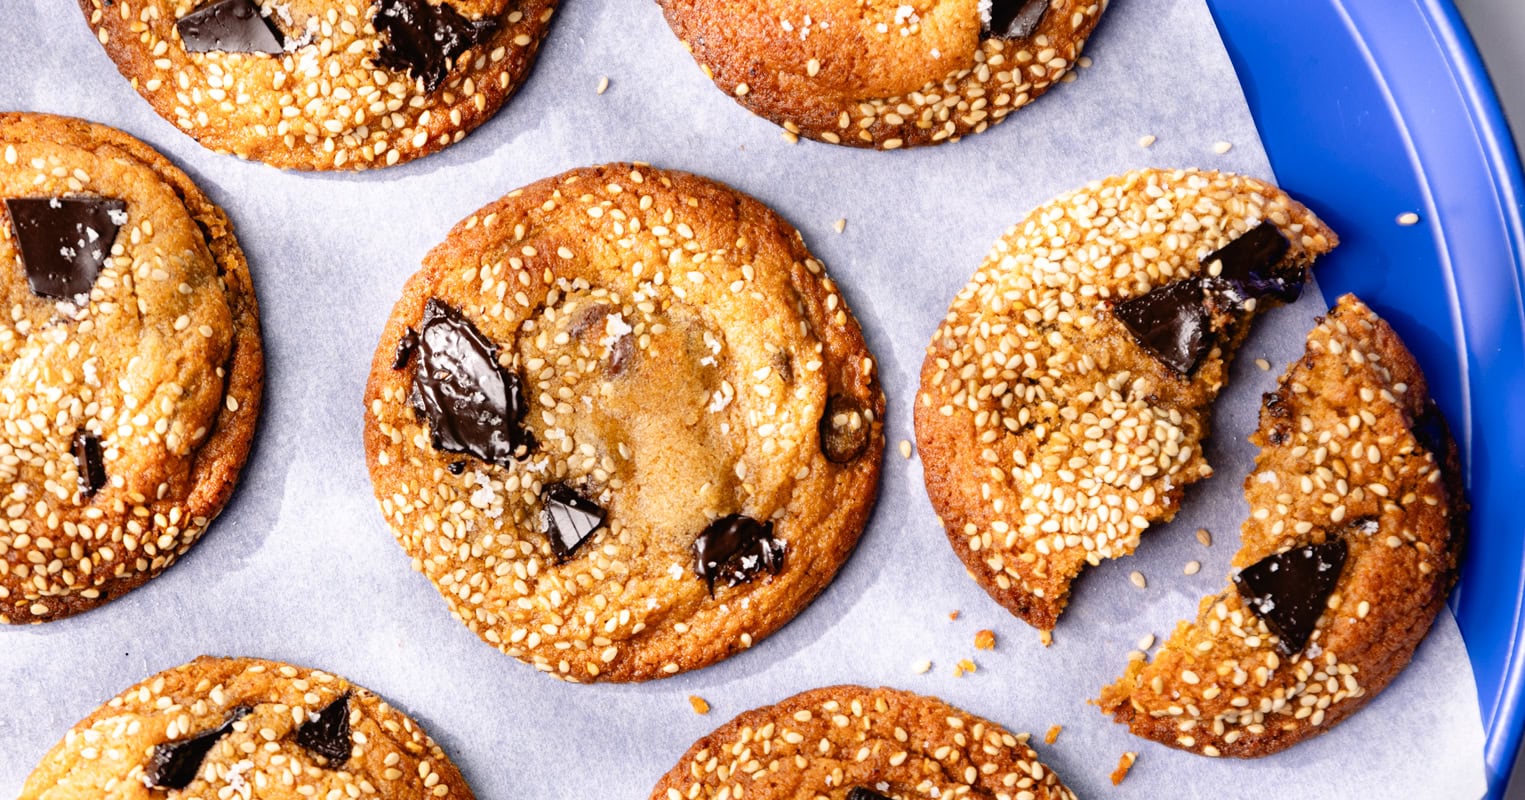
905 448
1205 537
1222 147
1408 218
921 667
603 84
1146 140
1138 579
1263 365
840 225
1192 567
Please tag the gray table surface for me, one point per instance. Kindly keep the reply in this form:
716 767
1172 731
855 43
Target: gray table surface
1499 29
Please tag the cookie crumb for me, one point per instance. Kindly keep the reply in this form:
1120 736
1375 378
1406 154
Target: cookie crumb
1123 765
1408 218
953 615
964 665
984 640
1146 641
1146 141
1222 147
1205 537
1263 365
921 667
603 84
905 448
1053 734
1138 579
840 225
699 704
1192 567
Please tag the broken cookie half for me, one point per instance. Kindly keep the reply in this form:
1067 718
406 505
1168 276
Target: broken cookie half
1357 520
1065 397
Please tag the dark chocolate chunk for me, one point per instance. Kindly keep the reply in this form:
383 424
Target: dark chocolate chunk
175 764
845 429
1253 266
1431 432
405 347
424 38
860 793
328 735
472 404
1288 590
229 26
1366 525
456 467
64 241
570 519
1016 19
1172 323
92 464
735 548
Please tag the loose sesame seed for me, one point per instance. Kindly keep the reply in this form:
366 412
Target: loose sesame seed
1408 218
1138 579
1146 140
1222 147
1192 567
603 84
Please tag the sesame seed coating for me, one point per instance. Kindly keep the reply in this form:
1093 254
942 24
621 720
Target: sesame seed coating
163 363
869 73
678 347
1050 438
1338 460
823 743
326 103
109 755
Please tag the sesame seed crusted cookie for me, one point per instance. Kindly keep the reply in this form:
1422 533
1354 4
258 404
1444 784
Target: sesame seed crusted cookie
131 360
245 728
323 84
625 423
1357 521
1065 397
871 73
856 743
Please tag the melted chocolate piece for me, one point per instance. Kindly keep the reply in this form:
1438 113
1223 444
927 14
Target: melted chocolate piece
845 429
570 519
64 241
92 464
1289 590
405 347
175 764
860 793
229 26
1254 266
735 548
1172 323
472 404
1431 432
328 735
424 39
1016 19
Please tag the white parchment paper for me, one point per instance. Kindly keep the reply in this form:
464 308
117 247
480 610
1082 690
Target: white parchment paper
302 568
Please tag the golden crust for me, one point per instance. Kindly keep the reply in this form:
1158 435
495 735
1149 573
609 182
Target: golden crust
196 481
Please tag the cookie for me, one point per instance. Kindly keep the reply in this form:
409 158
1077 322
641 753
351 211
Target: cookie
241 727
625 423
323 84
131 360
1356 526
856 743
1065 397
884 74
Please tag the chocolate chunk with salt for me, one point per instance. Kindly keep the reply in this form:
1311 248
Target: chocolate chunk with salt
845 429
570 519
473 405
405 348
735 549
328 735
860 793
1016 19
175 764
424 39
1289 590
1172 323
91 462
64 241
229 26
1253 266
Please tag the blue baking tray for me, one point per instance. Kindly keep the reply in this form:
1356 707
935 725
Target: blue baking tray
1373 108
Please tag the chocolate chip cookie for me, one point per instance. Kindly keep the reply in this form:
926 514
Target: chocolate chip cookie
625 423
884 74
1065 397
323 84
132 366
244 728
855 743
1357 520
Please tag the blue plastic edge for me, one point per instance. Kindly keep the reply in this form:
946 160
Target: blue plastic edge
1369 109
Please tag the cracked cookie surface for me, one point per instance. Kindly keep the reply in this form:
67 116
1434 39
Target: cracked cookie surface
625 423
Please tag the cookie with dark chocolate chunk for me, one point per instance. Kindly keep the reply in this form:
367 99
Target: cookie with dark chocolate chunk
625 422
239 727
1065 397
324 84
134 333
886 75
1354 537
